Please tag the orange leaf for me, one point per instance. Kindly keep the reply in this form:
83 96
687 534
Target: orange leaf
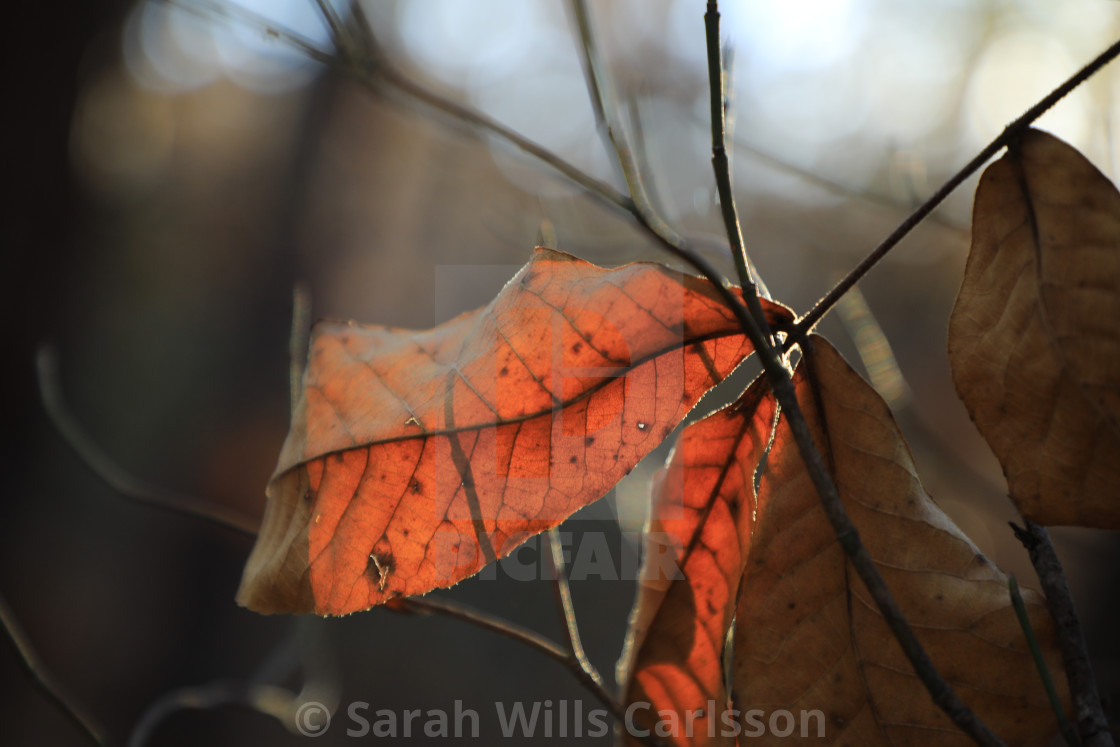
1033 340
702 505
415 458
808 637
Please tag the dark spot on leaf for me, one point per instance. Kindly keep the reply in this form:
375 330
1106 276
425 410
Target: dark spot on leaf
504 371
791 605
379 567
589 440
414 486
572 459
577 346
308 496
337 456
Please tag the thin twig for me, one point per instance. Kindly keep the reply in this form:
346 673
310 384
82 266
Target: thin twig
567 609
297 341
583 26
118 479
1011 132
370 69
334 23
45 681
1064 726
648 218
530 638
269 699
1092 725
305 651
210 9
721 165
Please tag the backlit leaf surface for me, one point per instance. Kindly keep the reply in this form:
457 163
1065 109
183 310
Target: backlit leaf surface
416 457
807 635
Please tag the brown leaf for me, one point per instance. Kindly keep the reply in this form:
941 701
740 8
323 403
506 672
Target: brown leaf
415 458
808 636
1034 339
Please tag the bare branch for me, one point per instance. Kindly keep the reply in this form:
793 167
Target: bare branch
429 605
1010 133
118 479
45 681
1066 729
567 609
1092 725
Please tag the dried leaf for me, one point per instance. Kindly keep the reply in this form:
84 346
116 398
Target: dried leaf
415 458
808 637
698 520
1034 342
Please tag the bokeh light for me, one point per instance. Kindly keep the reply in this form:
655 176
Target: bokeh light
178 48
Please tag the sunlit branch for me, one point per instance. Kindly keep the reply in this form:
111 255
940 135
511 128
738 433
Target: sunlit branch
721 165
234 13
649 219
567 609
1010 133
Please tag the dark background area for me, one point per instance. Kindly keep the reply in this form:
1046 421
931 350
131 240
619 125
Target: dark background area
153 232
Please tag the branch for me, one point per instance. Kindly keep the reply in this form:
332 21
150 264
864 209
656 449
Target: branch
568 610
1091 722
1010 133
297 341
722 167
1066 729
848 537
653 224
720 163
116 478
44 680
305 652
532 639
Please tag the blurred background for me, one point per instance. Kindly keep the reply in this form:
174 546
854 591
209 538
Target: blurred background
174 173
